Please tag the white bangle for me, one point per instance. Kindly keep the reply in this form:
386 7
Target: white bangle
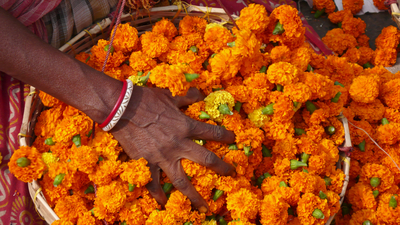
122 107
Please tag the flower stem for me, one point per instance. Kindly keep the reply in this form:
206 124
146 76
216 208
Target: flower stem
278 29
58 179
49 141
336 98
319 13
224 109
266 152
268 110
310 107
204 115
294 164
191 76
217 195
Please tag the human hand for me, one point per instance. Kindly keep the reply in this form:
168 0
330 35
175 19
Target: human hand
154 128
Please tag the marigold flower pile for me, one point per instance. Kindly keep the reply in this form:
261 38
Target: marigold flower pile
264 83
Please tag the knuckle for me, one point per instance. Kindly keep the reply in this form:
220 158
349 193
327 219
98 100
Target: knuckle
191 126
180 183
173 142
210 159
217 132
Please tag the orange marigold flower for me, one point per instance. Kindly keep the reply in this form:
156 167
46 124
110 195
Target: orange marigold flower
192 24
105 172
307 204
307 183
327 5
360 216
51 193
270 184
392 115
165 27
178 205
99 53
225 64
301 58
280 54
49 100
274 210
131 213
217 38
282 73
338 41
391 93
48 121
353 55
298 92
106 145
171 77
389 38
337 178
320 86
154 44
160 218
126 39
84 158
253 17
26 164
353 26
388 134
230 185
366 53
380 4
111 196
385 176
360 197
136 172
363 40
243 204
371 112
364 89
252 65
141 62
71 126
286 147
194 110
148 204
246 43
288 195
70 208
342 71
333 201
339 16
385 213
86 219
353 5
384 57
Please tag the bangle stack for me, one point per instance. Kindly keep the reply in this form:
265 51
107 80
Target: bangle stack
119 107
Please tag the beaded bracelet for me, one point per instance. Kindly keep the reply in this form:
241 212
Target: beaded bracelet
119 107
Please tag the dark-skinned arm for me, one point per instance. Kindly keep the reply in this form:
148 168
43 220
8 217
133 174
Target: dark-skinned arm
152 126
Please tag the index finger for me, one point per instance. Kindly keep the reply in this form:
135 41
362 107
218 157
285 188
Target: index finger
205 131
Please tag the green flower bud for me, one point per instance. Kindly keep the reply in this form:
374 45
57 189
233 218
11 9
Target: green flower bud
194 49
231 44
263 69
278 29
213 55
189 177
305 171
106 49
310 107
309 68
304 157
191 76
205 64
23 162
282 184
92 211
268 110
247 151
89 134
204 115
233 147
58 179
375 193
124 223
375 181
224 109
340 24
49 141
188 223
299 131
238 106
222 221
217 194
100 159
337 83
167 187
294 164
266 152
393 202
89 189
318 214
87 59
330 130
77 140
367 222
279 87
131 187
385 121
144 79
367 65
336 98
319 13
259 180
328 181
322 195
212 217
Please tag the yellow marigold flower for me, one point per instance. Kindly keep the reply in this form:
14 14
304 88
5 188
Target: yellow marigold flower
49 100
385 213
391 93
99 53
353 26
26 164
282 73
360 197
217 38
192 24
136 172
258 118
364 89
105 172
154 44
71 126
380 4
225 64
328 5
274 210
371 112
106 145
70 208
338 41
384 57
209 222
339 16
160 218
254 17
178 205
308 204
171 77
141 62
131 213
165 27
111 196
48 121
353 5
86 219
48 158
243 204
389 38
214 100
126 39
360 216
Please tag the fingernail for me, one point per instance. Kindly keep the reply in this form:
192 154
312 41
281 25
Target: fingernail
203 209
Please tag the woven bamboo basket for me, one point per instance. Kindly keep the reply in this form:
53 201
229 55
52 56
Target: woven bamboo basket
89 37
394 7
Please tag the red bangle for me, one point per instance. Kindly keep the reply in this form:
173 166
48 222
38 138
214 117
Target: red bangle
115 109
